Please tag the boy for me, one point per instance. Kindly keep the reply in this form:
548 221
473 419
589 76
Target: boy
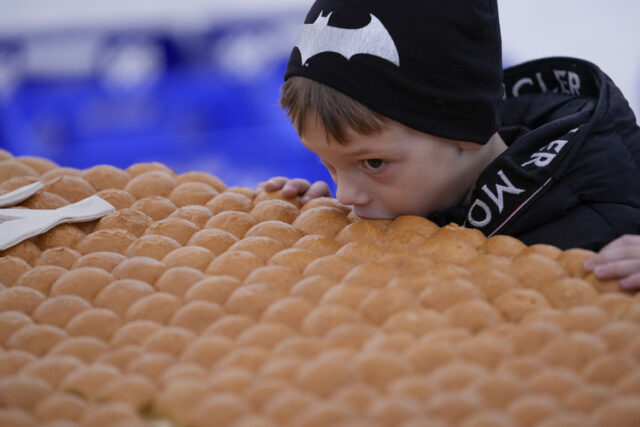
406 104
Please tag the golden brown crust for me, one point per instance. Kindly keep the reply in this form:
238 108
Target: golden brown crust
195 302
234 222
189 256
198 215
71 188
317 243
152 246
16 182
104 260
212 181
58 256
262 196
229 201
278 276
262 247
177 280
192 193
275 210
321 220
119 199
152 183
139 168
295 258
103 177
111 239
363 230
278 230
127 219
325 201
11 168
57 311
502 245
178 229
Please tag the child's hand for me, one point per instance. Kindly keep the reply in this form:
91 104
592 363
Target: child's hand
619 259
296 187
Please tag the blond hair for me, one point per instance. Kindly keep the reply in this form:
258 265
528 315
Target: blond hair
336 112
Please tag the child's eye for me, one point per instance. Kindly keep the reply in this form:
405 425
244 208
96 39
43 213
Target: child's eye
373 164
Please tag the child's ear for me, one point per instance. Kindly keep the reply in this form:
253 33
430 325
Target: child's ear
466 145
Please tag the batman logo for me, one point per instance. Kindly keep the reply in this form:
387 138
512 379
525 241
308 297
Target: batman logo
372 39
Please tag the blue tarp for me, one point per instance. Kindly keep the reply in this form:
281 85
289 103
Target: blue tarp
151 96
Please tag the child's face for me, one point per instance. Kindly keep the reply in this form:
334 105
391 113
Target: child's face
398 171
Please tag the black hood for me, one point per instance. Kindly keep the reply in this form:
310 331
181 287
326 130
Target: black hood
573 143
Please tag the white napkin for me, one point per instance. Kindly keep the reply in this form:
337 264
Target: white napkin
22 193
17 224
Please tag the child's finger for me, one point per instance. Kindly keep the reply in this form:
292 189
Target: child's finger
272 184
631 282
317 189
614 269
613 253
294 187
622 241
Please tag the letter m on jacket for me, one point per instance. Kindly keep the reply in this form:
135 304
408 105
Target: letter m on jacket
497 197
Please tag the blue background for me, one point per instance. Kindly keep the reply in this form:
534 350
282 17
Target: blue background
177 102
195 84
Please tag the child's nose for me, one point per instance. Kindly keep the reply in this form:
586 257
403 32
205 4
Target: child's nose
349 194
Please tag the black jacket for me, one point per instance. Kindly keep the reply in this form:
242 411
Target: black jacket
571 174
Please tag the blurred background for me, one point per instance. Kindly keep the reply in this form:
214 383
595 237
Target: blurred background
194 84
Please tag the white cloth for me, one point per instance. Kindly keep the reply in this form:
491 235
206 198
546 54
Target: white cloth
18 224
22 193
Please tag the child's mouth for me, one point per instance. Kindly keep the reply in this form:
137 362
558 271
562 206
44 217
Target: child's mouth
363 214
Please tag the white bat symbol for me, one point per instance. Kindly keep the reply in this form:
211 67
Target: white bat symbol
372 39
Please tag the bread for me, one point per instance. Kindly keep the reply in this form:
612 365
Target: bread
128 219
234 222
178 229
229 201
156 207
262 247
203 177
192 193
197 214
71 188
275 210
321 220
103 177
189 256
202 304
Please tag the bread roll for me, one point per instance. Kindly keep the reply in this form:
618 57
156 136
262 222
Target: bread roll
206 178
192 193
199 215
119 199
98 322
234 222
229 201
104 260
197 315
152 246
323 220
189 256
275 210
131 220
103 177
59 310
120 294
71 188
112 239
